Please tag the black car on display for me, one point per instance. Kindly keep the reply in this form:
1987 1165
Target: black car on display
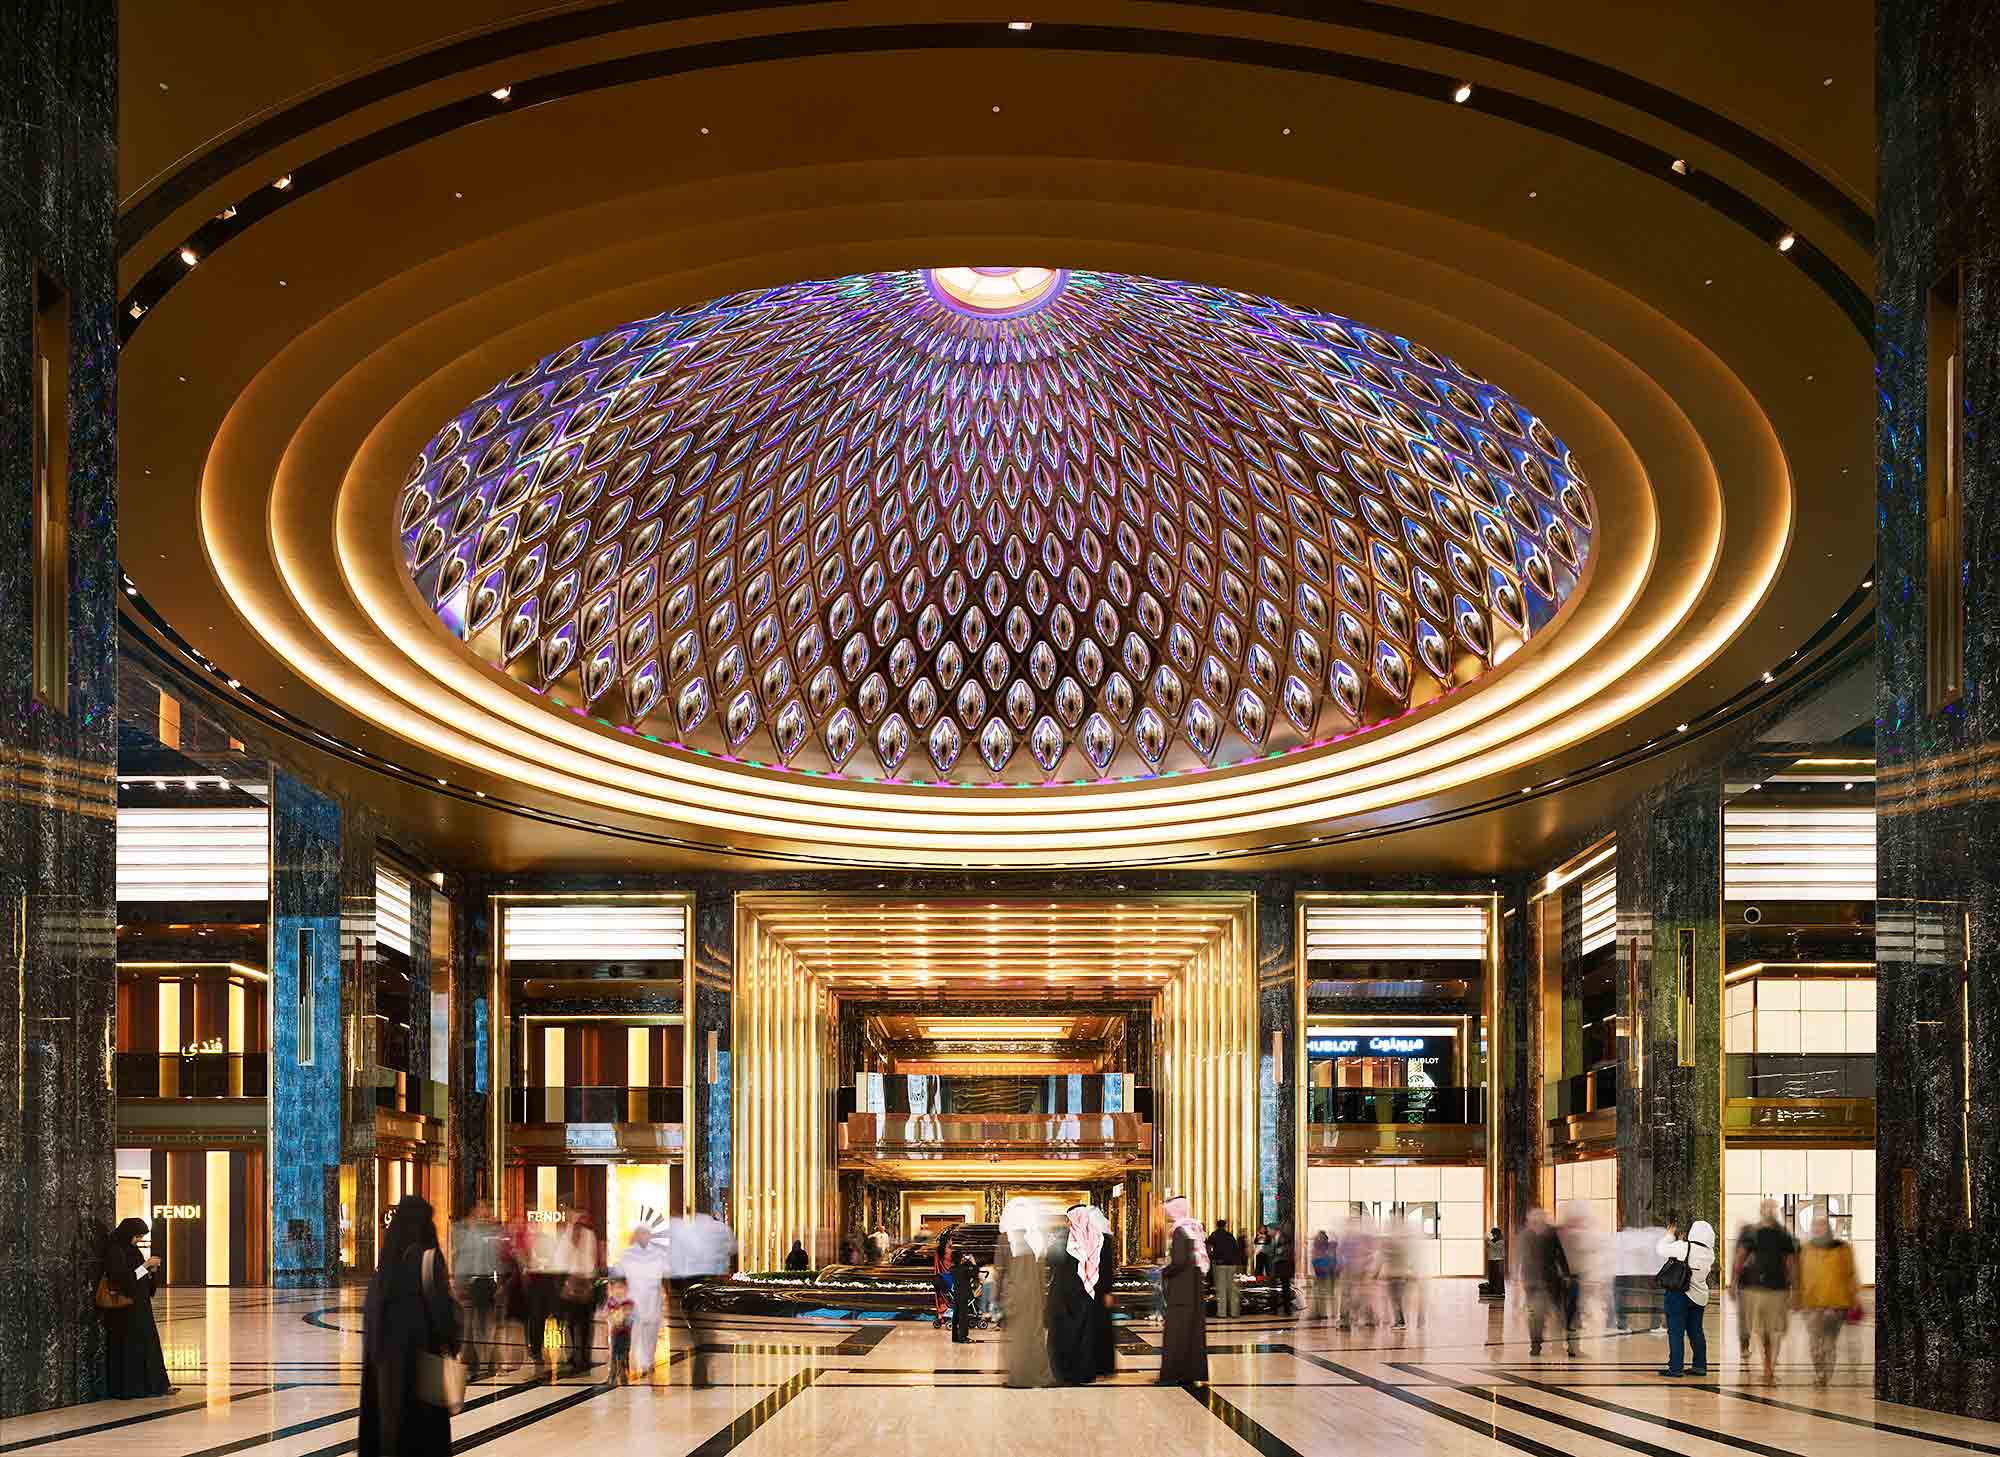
903 1286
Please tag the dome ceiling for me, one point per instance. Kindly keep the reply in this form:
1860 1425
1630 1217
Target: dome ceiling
995 526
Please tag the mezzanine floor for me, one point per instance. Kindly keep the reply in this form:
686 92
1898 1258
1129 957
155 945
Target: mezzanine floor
276 1372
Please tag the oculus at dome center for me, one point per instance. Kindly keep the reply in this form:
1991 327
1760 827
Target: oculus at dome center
1018 526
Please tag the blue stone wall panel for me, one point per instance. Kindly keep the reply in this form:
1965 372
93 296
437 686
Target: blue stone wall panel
305 1096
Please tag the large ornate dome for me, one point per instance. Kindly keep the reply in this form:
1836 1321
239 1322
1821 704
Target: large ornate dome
1013 526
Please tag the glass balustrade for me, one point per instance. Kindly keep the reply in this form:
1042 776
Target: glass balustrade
191 1075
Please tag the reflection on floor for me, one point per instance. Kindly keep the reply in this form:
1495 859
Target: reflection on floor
276 1372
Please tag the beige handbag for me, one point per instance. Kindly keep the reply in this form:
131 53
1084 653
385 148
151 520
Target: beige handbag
440 1379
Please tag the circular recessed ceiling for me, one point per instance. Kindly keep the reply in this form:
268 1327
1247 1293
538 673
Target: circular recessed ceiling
1012 526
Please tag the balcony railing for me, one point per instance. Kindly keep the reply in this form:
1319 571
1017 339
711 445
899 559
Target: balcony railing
596 1105
192 1075
1063 1136
413 1095
1593 1092
1386 1106
934 1094
1768 1075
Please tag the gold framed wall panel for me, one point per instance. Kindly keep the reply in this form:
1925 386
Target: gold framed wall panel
500 1039
1489 1014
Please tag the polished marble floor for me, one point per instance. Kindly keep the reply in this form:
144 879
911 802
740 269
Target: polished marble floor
275 1373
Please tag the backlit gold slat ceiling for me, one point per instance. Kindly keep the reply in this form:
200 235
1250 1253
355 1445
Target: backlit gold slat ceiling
1055 945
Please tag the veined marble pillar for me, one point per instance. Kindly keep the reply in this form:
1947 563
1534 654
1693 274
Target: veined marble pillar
58 725
1937 322
1670 999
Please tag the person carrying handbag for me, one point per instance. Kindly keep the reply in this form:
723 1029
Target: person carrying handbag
411 1378
1683 1281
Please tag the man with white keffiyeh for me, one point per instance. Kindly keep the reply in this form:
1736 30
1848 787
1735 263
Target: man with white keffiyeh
1184 1343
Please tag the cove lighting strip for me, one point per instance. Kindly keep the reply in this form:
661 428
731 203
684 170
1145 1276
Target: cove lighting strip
1600 910
194 855
596 933
1798 854
1396 933
392 910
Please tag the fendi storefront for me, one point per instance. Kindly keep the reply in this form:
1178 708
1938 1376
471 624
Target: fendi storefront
206 1210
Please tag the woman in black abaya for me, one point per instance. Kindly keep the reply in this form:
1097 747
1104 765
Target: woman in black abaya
133 1364
410 1318
1080 1339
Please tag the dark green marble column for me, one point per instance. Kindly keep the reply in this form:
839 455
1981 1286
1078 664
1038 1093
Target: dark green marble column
1937 1252
58 188
1670 952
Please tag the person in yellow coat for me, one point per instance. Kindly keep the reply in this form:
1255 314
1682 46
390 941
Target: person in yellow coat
1828 1290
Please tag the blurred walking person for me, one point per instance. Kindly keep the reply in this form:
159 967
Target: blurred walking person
409 1337
1358 1251
1746 1246
1496 1263
1829 1294
698 1248
475 1279
1323 1272
577 1264
1284 1267
1225 1256
1023 1279
1545 1279
1395 1264
1184 1342
1770 1274
644 1264
1687 1305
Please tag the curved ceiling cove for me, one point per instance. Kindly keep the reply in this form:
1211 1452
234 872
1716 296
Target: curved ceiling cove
996 526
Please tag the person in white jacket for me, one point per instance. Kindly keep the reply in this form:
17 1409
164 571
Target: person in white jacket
1685 1309
644 1265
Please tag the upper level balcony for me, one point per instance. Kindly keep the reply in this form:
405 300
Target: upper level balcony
572 1104
191 1074
1413 1122
1818 1097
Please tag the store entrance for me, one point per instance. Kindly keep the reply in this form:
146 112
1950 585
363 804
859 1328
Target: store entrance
900 1065
615 1196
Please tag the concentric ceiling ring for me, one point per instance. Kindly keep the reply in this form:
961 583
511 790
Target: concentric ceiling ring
1090 527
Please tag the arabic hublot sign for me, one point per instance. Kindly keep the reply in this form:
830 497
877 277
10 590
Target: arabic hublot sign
1359 1045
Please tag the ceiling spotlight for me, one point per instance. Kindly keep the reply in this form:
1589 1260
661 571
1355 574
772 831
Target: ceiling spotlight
190 257
1785 241
234 683
1869 583
1848 785
1681 166
282 183
996 110
1020 25
137 311
1463 94
226 214
440 781
1678 728
501 93
479 794
1767 678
